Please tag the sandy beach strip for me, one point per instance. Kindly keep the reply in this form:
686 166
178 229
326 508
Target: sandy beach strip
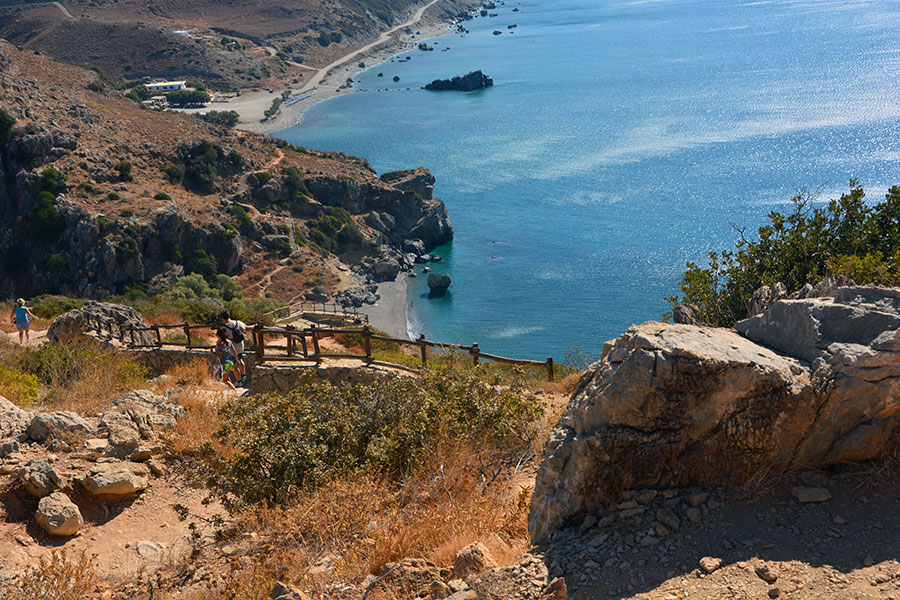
389 313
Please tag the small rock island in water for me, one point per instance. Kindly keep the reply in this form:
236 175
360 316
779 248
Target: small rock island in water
467 83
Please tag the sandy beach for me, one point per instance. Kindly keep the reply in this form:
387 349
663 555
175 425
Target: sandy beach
389 313
327 80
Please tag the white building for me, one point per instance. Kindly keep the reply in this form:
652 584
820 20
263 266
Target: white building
167 86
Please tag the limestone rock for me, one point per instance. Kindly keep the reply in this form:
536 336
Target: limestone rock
709 564
407 578
45 426
75 322
116 479
669 406
285 591
438 283
474 558
134 417
57 515
13 420
40 478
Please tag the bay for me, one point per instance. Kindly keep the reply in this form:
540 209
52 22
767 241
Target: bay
621 139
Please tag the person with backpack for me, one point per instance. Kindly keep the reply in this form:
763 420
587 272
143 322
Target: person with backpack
235 331
22 316
226 358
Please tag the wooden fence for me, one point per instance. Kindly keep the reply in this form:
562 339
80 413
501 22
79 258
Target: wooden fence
293 311
299 344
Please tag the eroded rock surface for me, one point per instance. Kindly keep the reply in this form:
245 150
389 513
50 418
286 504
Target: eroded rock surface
74 323
13 420
58 515
116 479
677 405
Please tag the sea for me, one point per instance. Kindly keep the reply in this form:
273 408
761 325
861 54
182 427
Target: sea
619 141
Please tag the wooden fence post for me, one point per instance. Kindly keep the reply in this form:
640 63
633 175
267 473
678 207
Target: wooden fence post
367 341
260 344
303 344
315 341
290 340
474 352
550 368
423 350
158 336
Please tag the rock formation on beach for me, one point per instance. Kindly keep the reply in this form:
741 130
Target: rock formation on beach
808 383
469 82
438 283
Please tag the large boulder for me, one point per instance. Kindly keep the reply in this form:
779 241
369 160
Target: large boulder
816 383
40 478
57 515
134 417
45 426
74 324
13 420
116 479
438 283
469 82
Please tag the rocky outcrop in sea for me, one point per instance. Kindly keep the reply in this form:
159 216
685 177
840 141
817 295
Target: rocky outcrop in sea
469 82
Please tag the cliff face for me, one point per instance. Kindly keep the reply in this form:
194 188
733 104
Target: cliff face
98 194
806 384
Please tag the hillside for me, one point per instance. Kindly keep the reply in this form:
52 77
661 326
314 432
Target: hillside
227 44
100 195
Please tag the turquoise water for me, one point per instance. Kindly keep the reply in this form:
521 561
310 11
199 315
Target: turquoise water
621 139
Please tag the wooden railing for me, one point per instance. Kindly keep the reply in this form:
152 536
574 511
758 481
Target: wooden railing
293 311
299 344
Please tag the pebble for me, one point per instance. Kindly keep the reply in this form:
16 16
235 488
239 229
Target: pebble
694 515
696 500
766 573
774 592
805 495
839 520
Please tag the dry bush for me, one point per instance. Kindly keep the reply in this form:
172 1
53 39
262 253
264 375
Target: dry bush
195 429
59 577
363 521
193 373
566 385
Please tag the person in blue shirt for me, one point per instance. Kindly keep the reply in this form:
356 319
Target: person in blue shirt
22 316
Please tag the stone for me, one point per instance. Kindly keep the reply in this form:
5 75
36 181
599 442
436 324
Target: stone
40 479
9 447
13 420
555 590
668 518
75 323
407 578
286 591
808 383
693 515
767 573
709 564
685 314
774 592
45 426
474 558
805 495
438 283
116 479
697 499
469 82
147 549
58 515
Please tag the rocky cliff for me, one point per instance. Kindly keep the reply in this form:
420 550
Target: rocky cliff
99 194
808 383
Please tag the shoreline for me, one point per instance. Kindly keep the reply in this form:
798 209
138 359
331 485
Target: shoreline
251 106
390 313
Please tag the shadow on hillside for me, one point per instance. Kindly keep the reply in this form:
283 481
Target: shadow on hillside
830 545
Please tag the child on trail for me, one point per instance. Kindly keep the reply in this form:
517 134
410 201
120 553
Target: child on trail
226 357
235 331
22 316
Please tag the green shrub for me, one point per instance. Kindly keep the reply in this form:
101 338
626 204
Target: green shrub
113 196
287 442
183 97
19 388
263 177
48 306
293 181
228 118
334 232
205 263
85 186
845 236
123 168
126 213
6 123
51 180
56 263
171 252
103 224
46 222
240 214
161 196
392 176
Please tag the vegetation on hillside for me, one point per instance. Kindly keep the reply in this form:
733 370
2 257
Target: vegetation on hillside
845 236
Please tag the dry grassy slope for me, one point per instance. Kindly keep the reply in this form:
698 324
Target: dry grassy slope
131 39
110 128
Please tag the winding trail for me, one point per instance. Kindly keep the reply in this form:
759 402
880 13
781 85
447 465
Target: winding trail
384 37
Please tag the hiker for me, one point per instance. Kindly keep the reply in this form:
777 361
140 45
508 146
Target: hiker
235 330
226 357
22 316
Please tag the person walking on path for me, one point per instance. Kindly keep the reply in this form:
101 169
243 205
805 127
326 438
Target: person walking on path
235 330
22 316
226 357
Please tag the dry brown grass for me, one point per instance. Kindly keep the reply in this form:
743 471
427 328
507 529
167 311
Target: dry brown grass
197 426
566 385
60 577
193 373
362 521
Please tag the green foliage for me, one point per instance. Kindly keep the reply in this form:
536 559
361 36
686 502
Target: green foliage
228 118
161 196
113 196
187 97
126 213
204 263
172 172
334 232
103 224
51 180
48 306
845 236
263 176
240 214
326 38
287 442
141 93
171 252
392 176
46 222
85 186
6 123
123 168
293 181
19 388
57 264
203 164
274 108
